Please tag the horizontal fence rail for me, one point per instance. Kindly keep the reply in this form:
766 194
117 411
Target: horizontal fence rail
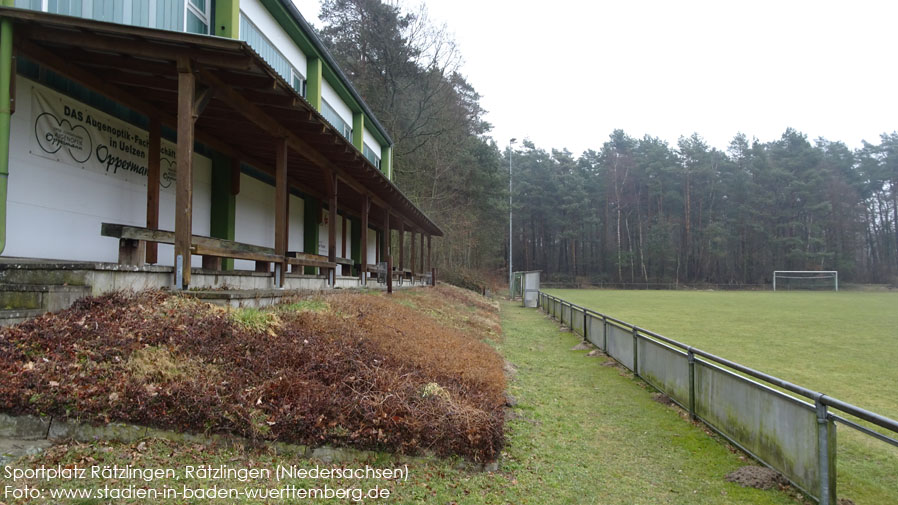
795 435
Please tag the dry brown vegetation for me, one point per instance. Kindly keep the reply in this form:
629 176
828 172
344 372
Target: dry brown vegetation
367 370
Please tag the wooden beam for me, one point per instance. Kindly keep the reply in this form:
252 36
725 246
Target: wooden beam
388 236
274 128
154 175
280 202
429 250
401 244
412 250
366 206
90 80
138 46
184 158
332 221
202 100
343 238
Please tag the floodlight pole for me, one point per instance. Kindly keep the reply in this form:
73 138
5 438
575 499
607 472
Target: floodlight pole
510 270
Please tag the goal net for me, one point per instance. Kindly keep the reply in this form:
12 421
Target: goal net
785 280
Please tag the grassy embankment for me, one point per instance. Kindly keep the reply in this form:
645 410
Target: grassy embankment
580 433
843 344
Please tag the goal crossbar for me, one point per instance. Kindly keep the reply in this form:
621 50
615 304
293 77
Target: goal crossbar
806 274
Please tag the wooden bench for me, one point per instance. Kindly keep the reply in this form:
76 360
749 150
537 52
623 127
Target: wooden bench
310 260
133 239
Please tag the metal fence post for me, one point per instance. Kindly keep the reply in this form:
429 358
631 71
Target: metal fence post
585 326
635 351
823 451
690 358
604 334
179 272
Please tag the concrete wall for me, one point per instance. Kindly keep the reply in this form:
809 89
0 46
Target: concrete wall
620 345
778 429
665 368
577 321
595 332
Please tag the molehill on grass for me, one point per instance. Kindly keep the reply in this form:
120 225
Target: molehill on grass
360 372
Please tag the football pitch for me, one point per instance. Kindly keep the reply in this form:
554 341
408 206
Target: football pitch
841 344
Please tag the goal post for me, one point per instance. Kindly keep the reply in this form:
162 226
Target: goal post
812 278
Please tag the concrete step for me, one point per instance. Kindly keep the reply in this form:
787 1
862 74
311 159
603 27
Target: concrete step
48 298
12 316
37 273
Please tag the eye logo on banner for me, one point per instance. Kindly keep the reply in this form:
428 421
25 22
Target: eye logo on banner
53 135
73 133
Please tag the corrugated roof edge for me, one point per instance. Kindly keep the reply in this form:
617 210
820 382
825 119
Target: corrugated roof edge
313 37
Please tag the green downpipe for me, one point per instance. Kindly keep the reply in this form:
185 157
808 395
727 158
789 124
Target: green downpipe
6 71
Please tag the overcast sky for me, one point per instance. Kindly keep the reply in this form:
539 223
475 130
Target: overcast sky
565 73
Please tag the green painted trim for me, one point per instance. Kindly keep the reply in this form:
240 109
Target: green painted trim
313 82
223 218
285 19
311 206
386 161
227 18
6 71
358 130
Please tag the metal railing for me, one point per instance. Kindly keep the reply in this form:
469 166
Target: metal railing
794 435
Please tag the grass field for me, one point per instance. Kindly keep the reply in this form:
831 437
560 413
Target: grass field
842 344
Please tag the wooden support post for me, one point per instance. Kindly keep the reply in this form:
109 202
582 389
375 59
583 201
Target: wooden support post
412 251
212 263
332 223
366 206
429 250
421 265
184 158
388 236
343 242
401 244
389 274
131 252
280 211
153 179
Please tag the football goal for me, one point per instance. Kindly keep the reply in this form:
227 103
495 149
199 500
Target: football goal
805 279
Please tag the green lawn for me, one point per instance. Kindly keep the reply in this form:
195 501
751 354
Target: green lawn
843 344
582 434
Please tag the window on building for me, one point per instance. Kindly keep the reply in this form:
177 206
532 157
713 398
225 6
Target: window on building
298 81
369 153
253 36
177 15
333 118
197 16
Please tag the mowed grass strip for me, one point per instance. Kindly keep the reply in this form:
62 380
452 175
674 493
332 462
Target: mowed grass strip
842 344
593 434
582 433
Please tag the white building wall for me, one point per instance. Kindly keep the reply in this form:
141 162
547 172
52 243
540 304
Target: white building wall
55 206
372 143
330 96
372 246
259 15
255 214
